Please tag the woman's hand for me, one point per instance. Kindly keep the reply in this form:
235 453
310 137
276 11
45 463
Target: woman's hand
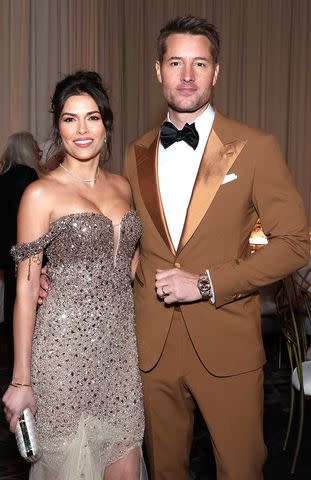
15 400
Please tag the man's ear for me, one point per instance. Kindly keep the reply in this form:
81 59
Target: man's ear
216 73
158 70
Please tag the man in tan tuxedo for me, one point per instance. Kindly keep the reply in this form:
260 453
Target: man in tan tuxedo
197 305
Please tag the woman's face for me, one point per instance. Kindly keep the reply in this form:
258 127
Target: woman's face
81 127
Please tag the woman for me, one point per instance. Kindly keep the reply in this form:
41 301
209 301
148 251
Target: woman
76 363
16 174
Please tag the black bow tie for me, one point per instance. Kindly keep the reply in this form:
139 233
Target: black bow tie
169 134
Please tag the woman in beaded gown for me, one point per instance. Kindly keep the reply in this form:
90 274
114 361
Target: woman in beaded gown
75 360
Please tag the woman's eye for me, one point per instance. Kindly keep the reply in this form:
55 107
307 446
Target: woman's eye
69 119
94 117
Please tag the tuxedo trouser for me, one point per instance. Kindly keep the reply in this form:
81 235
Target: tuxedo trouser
232 408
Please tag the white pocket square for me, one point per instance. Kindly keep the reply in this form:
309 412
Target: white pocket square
229 178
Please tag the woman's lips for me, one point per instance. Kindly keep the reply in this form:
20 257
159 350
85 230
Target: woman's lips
83 142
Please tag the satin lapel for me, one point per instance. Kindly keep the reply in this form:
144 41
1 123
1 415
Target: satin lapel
216 162
147 172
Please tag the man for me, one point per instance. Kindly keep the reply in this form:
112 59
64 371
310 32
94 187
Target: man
197 306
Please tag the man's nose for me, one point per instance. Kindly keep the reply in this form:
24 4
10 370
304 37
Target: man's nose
188 73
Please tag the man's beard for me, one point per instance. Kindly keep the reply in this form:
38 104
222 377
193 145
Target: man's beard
197 105
193 109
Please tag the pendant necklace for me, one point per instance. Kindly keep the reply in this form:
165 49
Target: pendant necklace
79 179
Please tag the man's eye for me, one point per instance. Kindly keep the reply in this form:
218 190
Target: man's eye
175 64
200 64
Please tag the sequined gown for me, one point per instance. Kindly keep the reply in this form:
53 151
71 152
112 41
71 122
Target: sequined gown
84 360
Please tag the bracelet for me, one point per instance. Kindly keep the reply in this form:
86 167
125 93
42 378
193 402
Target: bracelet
19 385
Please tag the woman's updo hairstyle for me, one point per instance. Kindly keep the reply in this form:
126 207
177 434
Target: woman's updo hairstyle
76 84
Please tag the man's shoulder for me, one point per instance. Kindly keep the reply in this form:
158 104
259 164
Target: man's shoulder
226 126
146 139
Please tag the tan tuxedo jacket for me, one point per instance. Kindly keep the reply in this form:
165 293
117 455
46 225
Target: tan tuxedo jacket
221 215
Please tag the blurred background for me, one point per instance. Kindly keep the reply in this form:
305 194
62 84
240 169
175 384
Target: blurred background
265 65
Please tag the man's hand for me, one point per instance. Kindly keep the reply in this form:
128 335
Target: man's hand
44 285
176 285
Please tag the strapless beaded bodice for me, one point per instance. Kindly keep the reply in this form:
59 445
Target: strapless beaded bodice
86 245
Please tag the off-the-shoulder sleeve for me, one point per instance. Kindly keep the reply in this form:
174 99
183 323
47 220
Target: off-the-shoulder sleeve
31 250
22 251
26 250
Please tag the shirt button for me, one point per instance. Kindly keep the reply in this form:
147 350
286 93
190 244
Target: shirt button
177 265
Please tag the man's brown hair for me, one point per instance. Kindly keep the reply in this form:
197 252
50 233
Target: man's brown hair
193 26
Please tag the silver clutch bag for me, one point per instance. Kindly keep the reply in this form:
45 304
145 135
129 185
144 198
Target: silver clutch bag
27 438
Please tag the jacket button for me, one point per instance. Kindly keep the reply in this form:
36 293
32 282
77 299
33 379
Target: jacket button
177 265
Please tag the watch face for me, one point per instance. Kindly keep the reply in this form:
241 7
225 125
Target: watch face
204 286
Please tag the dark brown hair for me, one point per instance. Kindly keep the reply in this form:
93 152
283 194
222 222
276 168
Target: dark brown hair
77 84
193 26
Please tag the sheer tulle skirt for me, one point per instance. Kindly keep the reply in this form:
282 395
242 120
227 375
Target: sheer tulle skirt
86 454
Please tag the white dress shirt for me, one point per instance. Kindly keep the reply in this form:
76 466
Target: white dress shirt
178 166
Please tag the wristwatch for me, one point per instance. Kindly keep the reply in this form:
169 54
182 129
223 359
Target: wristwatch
204 286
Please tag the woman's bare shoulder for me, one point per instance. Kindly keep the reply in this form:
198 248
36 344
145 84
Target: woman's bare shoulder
42 190
120 183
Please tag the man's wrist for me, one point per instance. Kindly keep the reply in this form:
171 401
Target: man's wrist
204 286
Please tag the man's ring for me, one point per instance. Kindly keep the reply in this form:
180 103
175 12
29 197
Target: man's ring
163 292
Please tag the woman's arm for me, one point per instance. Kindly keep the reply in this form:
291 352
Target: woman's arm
33 222
134 263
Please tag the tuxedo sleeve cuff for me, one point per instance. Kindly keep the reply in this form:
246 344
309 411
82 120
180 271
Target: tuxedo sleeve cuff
212 299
